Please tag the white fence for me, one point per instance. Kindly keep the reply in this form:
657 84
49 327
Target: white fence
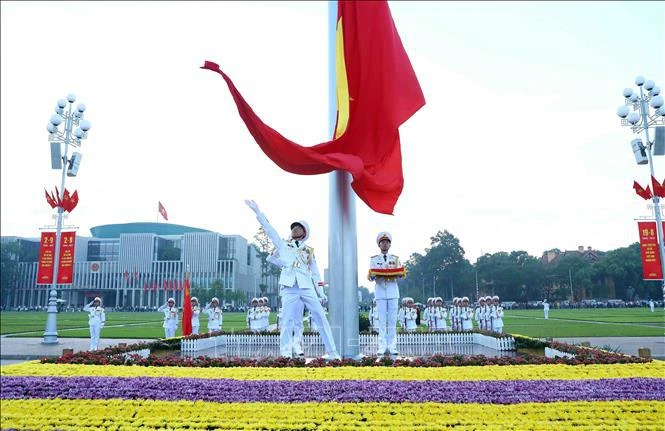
553 353
366 341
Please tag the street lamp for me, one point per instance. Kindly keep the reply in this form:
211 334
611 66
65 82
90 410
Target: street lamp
64 113
640 120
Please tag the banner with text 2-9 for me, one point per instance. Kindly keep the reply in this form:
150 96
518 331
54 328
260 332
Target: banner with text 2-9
651 268
66 258
46 255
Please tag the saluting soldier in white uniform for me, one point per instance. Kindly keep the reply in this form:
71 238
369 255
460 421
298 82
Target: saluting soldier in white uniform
384 270
299 281
214 312
196 312
96 320
170 318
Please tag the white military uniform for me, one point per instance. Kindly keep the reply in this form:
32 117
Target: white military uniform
170 319
214 317
546 309
466 315
410 315
439 315
386 294
299 282
196 311
96 320
497 321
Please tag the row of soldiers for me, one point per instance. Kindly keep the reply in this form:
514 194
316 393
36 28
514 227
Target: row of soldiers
258 315
488 315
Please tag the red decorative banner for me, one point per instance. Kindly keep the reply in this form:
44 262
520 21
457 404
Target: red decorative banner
66 257
651 268
46 255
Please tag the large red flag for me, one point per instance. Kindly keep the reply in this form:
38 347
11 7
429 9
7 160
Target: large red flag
377 91
187 309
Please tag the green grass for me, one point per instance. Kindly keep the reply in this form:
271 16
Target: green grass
118 324
612 322
603 322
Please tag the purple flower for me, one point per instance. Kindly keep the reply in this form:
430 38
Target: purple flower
229 390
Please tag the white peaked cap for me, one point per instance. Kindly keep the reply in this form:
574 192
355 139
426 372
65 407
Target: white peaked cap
97 298
170 300
305 226
383 235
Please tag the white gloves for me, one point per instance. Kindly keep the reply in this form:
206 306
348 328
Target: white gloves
254 207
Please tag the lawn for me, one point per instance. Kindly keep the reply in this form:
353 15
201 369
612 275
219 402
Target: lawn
592 322
118 324
614 322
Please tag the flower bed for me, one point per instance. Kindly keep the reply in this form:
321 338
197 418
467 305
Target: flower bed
524 397
103 390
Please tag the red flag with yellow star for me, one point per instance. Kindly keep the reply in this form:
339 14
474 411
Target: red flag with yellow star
377 91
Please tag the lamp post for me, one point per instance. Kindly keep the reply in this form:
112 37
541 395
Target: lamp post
64 112
640 120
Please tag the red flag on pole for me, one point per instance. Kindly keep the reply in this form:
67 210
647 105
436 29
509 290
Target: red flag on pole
50 200
66 200
377 91
73 200
162 211
187 308
57 197
658 189
643 193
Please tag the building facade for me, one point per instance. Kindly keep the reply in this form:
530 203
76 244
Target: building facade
140 265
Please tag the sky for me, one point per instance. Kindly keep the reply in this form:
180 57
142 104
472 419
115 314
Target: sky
517 148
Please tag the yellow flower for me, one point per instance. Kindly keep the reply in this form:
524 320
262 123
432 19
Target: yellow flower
495 372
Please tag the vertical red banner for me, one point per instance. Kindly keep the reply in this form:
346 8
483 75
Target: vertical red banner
66 257
46 256
651 268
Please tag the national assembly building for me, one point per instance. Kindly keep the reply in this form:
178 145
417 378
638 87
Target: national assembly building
140 265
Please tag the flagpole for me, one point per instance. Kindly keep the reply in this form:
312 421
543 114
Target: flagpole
342 241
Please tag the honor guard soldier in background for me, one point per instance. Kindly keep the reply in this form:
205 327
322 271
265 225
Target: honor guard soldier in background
299 281
439 315
96 320
385 269
170 318
410 315
214 312
196 312
497 310
253 315
479 315
466 315
546 309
